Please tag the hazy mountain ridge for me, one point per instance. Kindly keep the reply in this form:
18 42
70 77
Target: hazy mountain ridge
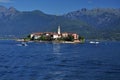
84 22
22 23
106 21
96 17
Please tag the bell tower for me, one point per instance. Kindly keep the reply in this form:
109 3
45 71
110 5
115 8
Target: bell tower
59 30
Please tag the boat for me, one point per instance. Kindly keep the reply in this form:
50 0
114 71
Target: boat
20 40
94 42
97 42
23 44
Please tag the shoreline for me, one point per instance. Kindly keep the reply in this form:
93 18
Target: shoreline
54 41
88 40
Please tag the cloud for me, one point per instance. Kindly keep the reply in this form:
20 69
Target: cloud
5 1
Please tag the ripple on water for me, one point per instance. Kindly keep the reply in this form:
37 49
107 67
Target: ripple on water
40 61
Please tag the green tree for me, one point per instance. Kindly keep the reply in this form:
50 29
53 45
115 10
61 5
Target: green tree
69 38
42 38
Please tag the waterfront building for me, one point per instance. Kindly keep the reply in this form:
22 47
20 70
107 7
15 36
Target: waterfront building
65 34
54 35
75 36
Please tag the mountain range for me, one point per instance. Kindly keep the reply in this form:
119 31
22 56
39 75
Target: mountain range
99 23
105 21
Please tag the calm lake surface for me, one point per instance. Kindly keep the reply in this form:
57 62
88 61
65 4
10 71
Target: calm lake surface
53 61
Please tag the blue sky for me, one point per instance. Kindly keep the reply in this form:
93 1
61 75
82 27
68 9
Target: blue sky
59 6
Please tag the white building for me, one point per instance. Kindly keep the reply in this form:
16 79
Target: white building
31 35
65 34
59 30
58 34
55 36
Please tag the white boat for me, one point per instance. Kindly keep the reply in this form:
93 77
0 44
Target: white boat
94 42
20 40
23 44
97 42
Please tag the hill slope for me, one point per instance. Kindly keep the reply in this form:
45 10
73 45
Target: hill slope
13 22
93 24
105 21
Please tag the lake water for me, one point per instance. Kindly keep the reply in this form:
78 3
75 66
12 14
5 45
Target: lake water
53 61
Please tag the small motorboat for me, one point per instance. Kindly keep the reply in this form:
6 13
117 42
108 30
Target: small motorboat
23 44
97 42
94 42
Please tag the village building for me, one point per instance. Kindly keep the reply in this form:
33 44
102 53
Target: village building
54 35
58 34
35 35
65 34
75 36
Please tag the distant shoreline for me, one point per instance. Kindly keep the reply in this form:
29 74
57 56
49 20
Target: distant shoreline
87 40
54 41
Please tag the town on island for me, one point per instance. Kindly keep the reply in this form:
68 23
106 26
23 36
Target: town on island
54 37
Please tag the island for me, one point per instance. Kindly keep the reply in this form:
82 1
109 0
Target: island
59 37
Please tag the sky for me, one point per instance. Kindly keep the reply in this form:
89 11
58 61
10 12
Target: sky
59 7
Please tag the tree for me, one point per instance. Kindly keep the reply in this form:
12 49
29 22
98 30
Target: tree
69 38
28 36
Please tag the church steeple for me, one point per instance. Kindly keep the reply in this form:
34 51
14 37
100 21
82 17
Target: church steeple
59 30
